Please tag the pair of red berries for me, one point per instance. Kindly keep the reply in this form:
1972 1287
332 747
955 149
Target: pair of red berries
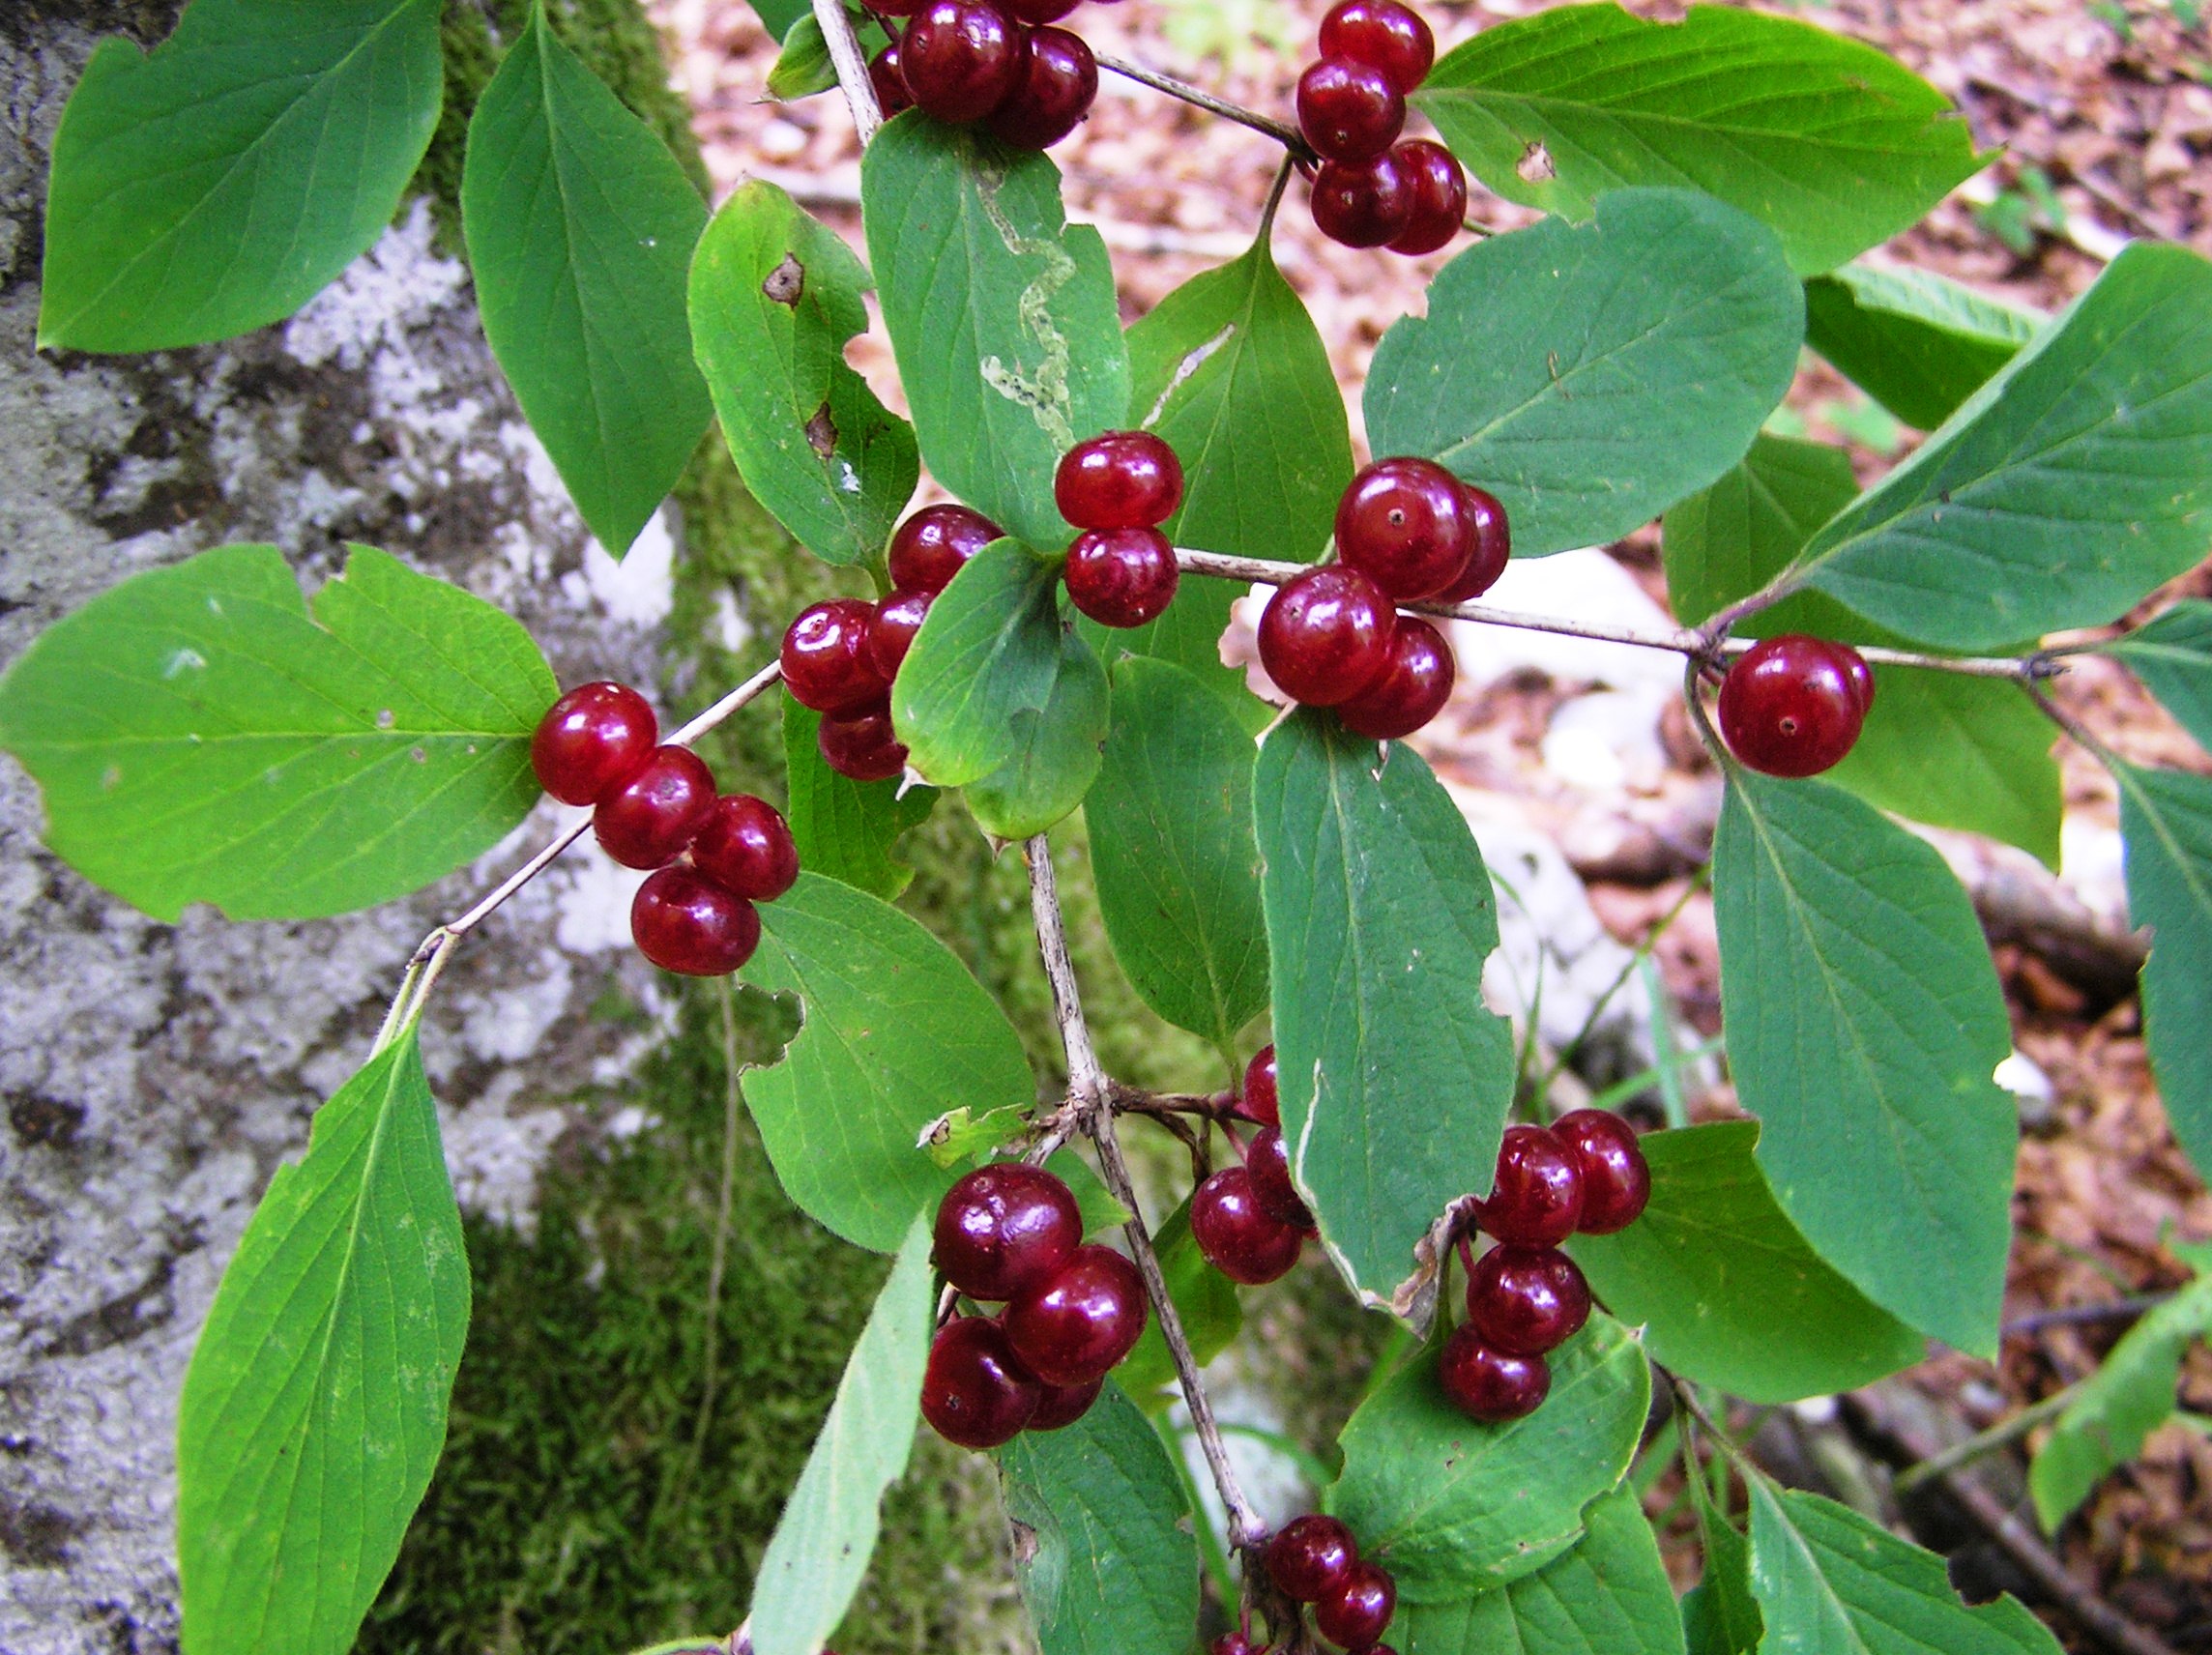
993 61
1247 1219
1371 190
1314 1560
652 805
1524 1297
1407 532
1795 706
1118 488
1011 1233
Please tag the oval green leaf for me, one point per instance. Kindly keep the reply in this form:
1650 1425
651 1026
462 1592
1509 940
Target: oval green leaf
2165 820
2172 656
1057 748
1918 344
845 828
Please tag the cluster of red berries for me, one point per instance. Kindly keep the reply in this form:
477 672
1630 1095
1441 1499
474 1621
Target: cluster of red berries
1371 190
994 61
1011 1234
715 854
1314 1560
1407 532
1524 1297
1247 1219
1794 706
1118 488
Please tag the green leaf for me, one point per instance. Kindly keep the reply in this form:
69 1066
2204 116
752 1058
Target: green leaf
1732 1611
201 737
1714 1265
314 1409
820 1551
1395 1077
2172 656
1451 1507
1188 635
1101 1210
961 1133
1002 315
1918 344
1729 540
1608 1596
775 297
1102 1543
2165 820
1211 1314
845 828
580 227
1590 376
803 67
1832 144
2074 482
1172 844
780 16
217 184
1830 1583
1056 749
1864 1024
895 1032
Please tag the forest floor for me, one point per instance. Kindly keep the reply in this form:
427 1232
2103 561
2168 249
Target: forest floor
2104 117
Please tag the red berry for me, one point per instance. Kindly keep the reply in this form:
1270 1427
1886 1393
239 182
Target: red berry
1054 88
826 660
1261 1101
1122 578
889 81
862 747
1326 635
1062 1406
646 822
1238 1239
891 634
1363 204
1006 1229
1267 1158
973 1393
1311 1557
685 922
1862 677
1526 1300
1414 689
1232 1643
1348 110
1075 1327
1493 548
591 740
746 847
1538 1196
1793 705
1439 196
961 58
1383 34
929 548
1036 12
1487 1384
1616 1180
1356 1614
1404 523
1118 480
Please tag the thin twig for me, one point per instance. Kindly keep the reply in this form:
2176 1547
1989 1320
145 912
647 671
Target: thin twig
1986 1442
718 1257
2077 1315
1289 137
852 67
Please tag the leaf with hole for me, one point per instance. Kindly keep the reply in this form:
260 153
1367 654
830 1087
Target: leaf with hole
1918 344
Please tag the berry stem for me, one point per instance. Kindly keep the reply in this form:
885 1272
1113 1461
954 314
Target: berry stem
1289 137
851 67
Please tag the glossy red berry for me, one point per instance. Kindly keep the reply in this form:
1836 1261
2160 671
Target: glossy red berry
746 847
1861 675
1355 1616
1118 480
1439 196
1404 523
1348 110
1259 1100
683 921
1122 578
1493 548
1411 692
1082 1322
1538 1199
1006 1229
891 634
1311 1557
889 81
1526 1300
1486 1383
648 820
1326 635
1054 88
1267 1158
1793 705
960 58
1232 1643
863 747
1062 1406
591 740
1363 204
1240 1239
973 1393
1616 1180
1383 35
825 661
929 548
